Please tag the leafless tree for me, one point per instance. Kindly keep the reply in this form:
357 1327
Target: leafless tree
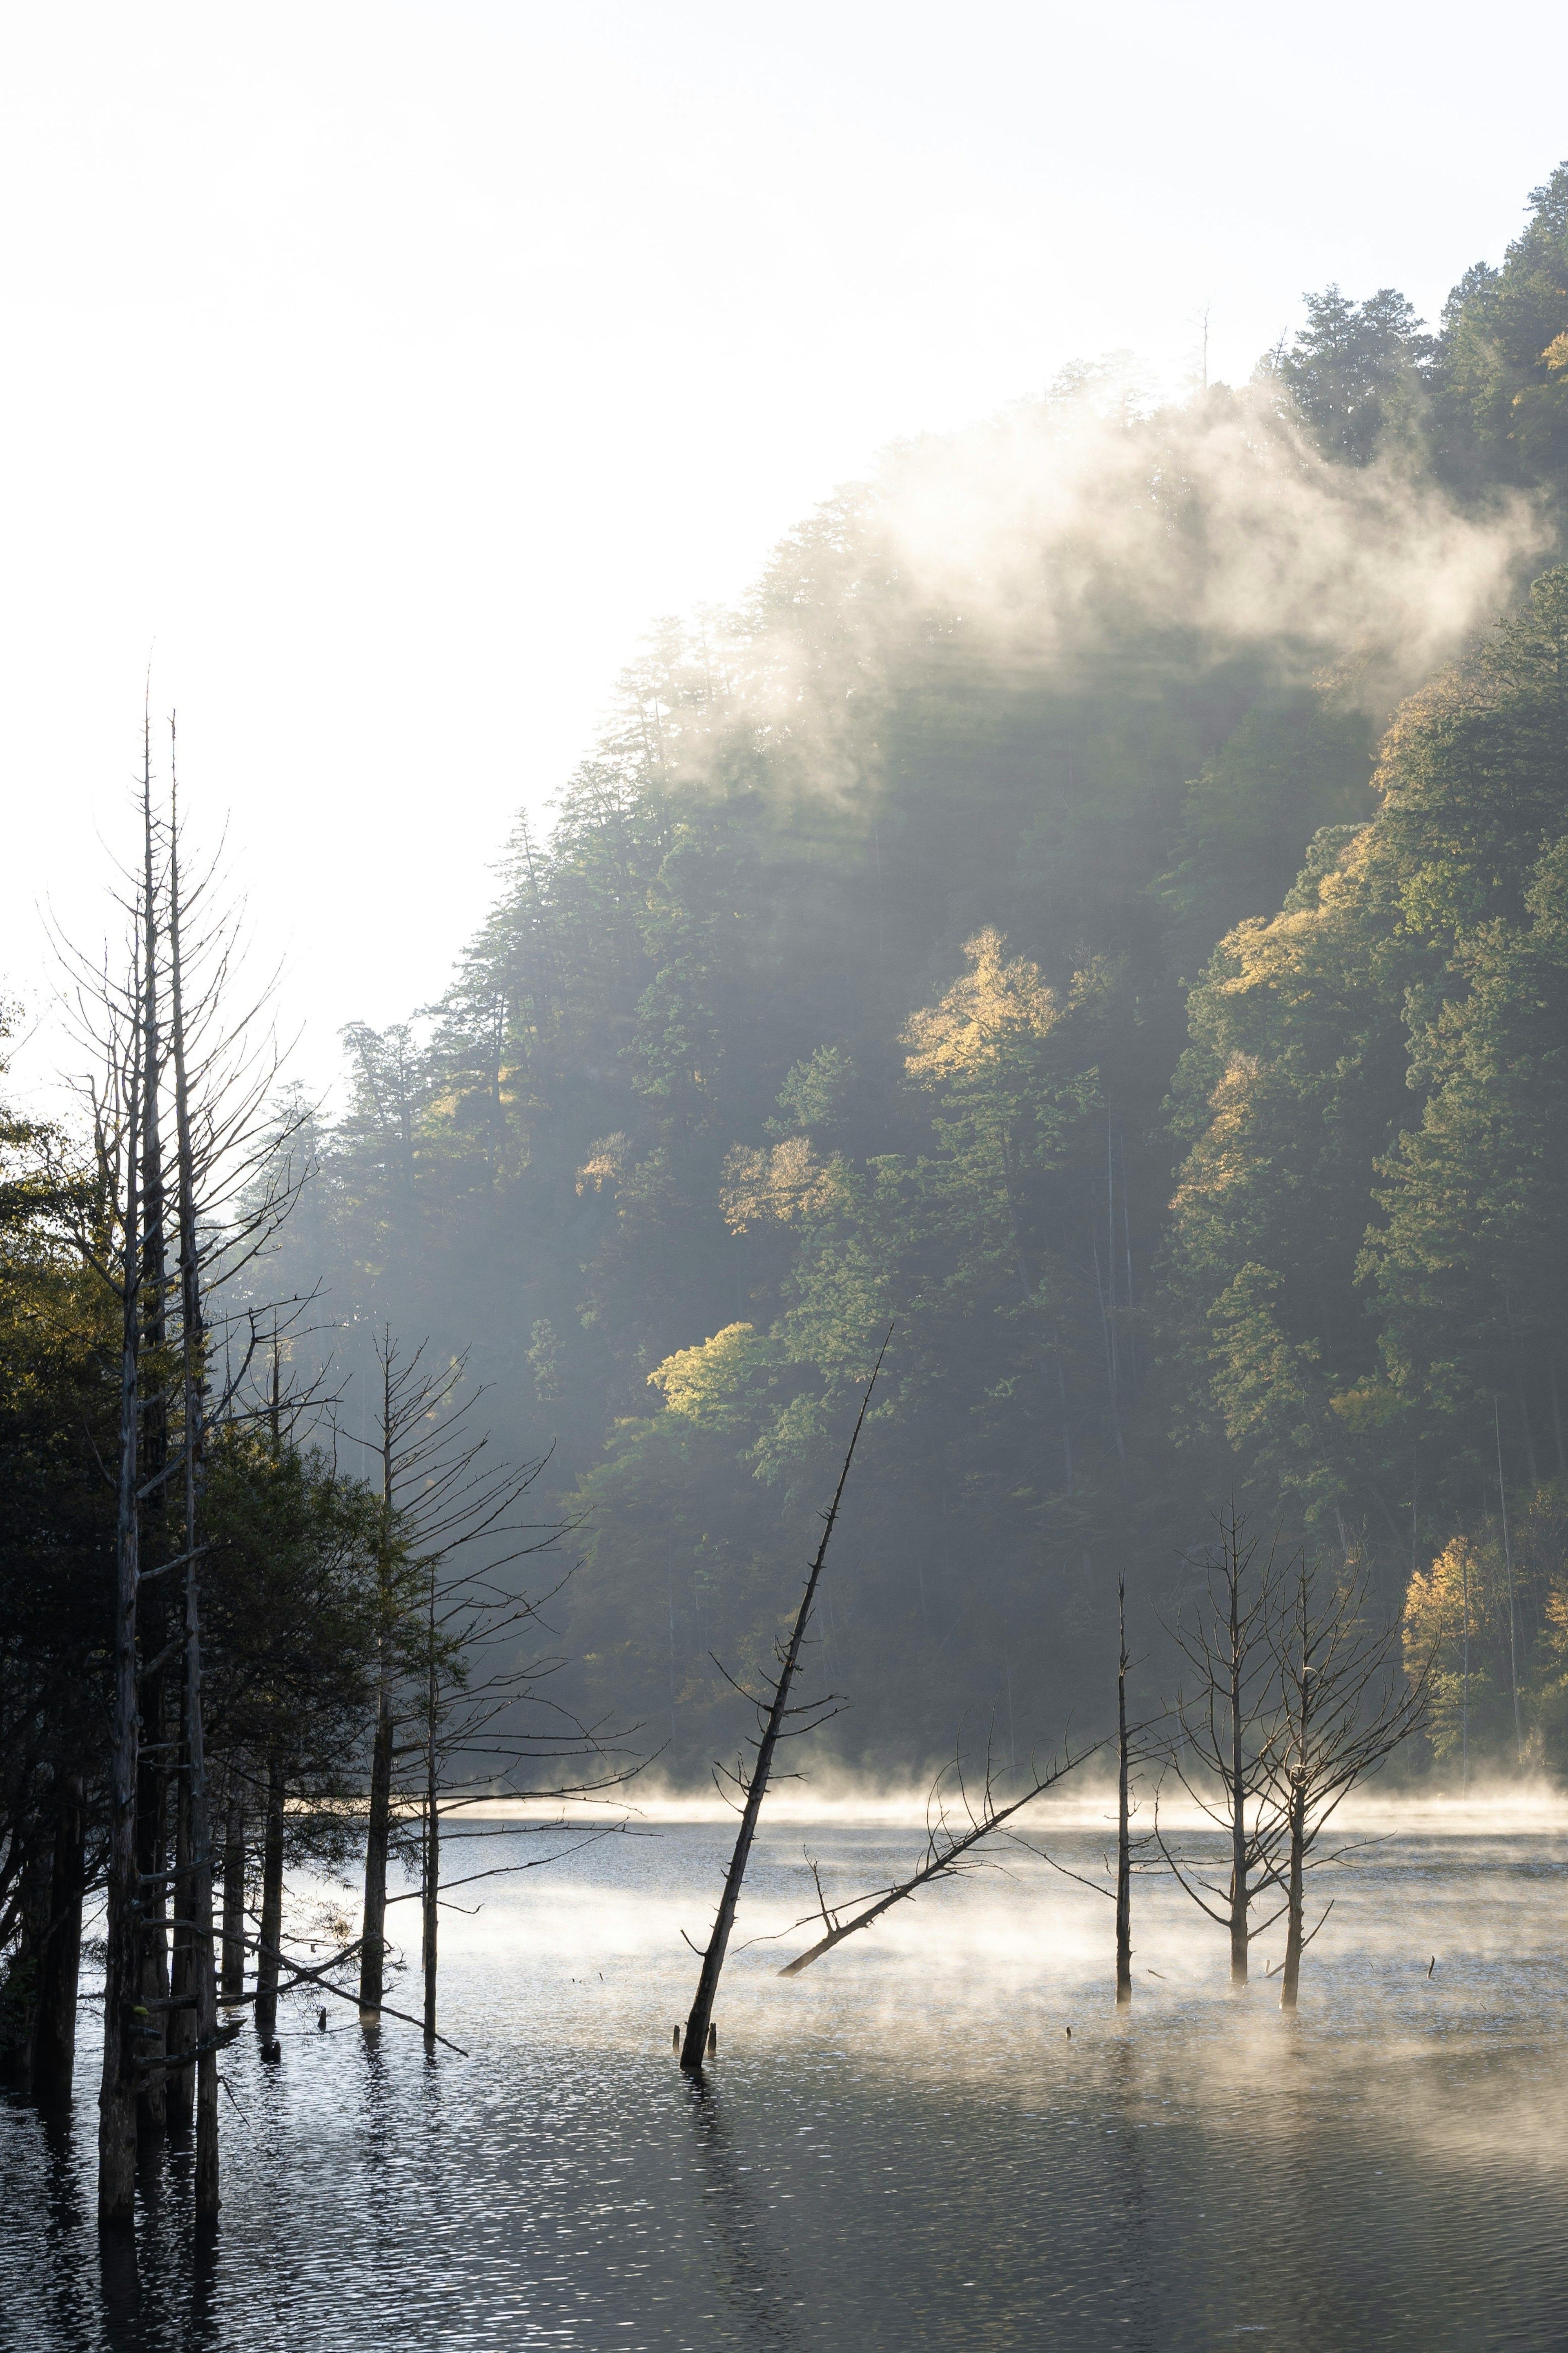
958 1821
1123 1810
453 1532
1346 1705
163 1023
1221 1758
776 1721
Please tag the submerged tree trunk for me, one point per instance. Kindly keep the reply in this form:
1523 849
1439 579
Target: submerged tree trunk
234 1898
152 1863
117 2091
271 1907
378 1829
1123 1843
54 2047
694 2044
378 1839
431 1832
1293 1908
195 1816
945 1849
1240 1893
19 1987
153 1763
432 1887
181 2035
117 2094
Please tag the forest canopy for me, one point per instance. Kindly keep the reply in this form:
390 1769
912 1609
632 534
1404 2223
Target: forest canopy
1100 905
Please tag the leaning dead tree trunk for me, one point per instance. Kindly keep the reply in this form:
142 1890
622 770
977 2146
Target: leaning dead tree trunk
946 1846
755 1783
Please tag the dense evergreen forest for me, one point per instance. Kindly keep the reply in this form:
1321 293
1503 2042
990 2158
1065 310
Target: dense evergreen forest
1099 906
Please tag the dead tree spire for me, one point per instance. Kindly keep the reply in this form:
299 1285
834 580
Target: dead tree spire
695 2044
192 1369
117 2094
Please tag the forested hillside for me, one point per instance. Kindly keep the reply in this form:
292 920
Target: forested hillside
1099 906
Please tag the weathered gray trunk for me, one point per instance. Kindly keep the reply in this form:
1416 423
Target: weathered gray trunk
378 1830
19 1983
1239 1923
151 1861
432 1895
1293 1908
234 1898
117 2092
271 1907
117 2088
694 2044
1123 1840
195 1809
432 1831
378 1838
153 1775
54 2048
182 2030
203 1971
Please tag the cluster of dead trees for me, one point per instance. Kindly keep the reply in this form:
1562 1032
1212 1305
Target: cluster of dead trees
237 1640
1294 1693
1297 1690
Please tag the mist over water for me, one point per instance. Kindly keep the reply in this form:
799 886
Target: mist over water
904 2148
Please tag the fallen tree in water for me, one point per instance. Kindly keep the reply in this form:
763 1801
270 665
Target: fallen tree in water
955 1825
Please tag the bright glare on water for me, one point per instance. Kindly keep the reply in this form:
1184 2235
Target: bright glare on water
901 2149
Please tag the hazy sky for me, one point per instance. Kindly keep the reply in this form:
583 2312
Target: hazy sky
382 370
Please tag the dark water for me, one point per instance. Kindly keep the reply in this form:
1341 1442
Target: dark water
901 2150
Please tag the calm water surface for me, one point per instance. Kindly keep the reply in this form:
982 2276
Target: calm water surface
903 2149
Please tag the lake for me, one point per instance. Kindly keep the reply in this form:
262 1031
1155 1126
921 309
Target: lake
904 2148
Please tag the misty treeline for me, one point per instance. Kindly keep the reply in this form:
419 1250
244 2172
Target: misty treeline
238 1637
1099 901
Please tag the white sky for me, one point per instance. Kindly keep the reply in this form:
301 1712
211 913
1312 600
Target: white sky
382 370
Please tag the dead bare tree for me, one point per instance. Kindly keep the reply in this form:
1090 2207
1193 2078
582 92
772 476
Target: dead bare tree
774 1722
1346 1705
1226 1733
116 1236
1133 1749
195 1980
1124 1814
488 1724
956 1824
454 1530
165 1021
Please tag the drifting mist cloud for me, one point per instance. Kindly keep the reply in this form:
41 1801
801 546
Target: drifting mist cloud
1077 538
